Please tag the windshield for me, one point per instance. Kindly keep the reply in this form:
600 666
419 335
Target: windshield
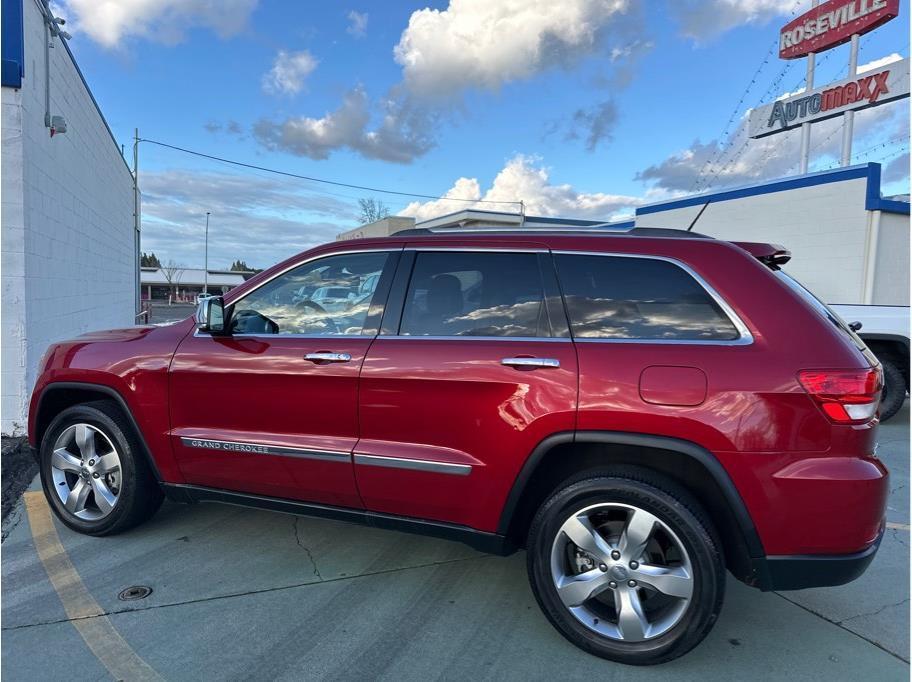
820 306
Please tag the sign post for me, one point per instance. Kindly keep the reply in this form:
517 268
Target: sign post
848 120
806 127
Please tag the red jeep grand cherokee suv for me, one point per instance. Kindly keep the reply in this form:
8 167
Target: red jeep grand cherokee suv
640 411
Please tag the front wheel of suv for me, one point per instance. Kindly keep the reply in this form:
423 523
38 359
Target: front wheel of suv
626 566
93 473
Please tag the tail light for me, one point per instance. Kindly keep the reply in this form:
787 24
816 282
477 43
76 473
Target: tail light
846 396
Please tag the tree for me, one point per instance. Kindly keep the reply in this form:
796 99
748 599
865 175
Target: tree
372 210
149 261
173 273
240 265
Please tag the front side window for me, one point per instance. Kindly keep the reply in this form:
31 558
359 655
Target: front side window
615 297
325 297
475 294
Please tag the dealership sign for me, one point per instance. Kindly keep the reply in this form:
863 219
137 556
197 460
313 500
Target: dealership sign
877 86
833 23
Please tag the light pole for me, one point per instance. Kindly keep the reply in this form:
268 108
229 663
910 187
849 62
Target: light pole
206 259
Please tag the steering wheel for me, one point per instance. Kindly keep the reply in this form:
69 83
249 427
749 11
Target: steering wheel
325 319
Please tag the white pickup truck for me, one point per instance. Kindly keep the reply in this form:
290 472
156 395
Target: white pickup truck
885 330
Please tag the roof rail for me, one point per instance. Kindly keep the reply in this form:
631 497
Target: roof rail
476 229
601 230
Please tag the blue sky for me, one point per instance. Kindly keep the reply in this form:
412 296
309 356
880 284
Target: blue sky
579 108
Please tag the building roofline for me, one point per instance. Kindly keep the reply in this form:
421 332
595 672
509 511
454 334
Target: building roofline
868 171
14 28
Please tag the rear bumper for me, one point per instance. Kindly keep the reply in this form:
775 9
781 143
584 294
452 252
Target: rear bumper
812 505
797 572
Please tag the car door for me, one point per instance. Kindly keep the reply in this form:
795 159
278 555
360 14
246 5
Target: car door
271 407
474 366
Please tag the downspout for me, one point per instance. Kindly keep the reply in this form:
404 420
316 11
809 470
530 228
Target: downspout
47 66
870 264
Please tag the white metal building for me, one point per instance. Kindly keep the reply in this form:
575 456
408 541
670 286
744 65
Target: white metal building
69 261
849 244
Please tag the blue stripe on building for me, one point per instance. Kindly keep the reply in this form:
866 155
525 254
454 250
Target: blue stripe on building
11 48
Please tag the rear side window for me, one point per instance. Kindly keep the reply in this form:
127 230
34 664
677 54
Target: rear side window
614 297
475 294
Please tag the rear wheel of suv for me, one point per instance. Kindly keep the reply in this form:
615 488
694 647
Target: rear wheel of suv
894 389
626 566
94 475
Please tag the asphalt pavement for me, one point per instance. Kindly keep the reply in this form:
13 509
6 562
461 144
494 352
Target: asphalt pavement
162 313
242 594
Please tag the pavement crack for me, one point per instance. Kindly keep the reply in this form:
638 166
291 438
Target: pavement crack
839 623
246 593
310 556
898 537
873 613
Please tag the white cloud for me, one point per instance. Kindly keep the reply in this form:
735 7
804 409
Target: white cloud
288 72
109 22
743 160
261 220
877 63
479 43
524 179
704 19
358 24
402 134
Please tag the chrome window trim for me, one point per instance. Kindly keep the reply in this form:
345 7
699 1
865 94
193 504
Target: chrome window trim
287 336
414 464
745 337
415 337
243 447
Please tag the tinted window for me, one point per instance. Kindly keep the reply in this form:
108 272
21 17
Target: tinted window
475 294
613 297
328 296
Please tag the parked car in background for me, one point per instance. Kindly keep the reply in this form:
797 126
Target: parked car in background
641 412
202 297
885 330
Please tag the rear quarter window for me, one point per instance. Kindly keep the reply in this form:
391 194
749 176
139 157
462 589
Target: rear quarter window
639 298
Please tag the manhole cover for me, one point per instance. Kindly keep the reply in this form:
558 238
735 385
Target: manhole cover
135 592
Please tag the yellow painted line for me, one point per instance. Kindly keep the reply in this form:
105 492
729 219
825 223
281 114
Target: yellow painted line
86 614
899 526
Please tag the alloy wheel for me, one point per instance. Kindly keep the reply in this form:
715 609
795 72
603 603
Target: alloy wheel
86 471
622 572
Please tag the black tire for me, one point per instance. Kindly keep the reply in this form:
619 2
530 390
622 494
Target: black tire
675 507
894 390
140 495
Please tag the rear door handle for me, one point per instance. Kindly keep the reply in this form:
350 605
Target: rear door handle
530 362
328 357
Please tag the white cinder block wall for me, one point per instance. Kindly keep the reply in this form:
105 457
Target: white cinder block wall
69 263
891 270
828 230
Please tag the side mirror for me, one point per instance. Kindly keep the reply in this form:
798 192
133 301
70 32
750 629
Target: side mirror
210 315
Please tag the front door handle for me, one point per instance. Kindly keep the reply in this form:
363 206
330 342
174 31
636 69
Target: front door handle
328 357
530 362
